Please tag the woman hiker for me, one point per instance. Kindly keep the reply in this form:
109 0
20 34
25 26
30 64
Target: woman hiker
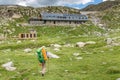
42 57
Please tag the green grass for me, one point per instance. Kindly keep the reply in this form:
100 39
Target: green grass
99 62
91 67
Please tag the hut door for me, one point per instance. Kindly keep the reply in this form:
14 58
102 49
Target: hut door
54 22
44 22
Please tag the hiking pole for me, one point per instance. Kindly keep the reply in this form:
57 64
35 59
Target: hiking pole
48 65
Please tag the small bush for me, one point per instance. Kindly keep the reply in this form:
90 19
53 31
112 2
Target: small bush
113 70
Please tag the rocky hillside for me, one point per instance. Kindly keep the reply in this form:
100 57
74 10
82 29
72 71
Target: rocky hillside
16 11
14 15
111 17
101 6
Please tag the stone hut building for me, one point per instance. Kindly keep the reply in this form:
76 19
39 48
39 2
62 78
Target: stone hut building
57 18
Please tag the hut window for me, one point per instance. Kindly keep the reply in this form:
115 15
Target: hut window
22 35
27 35
30 35
34 35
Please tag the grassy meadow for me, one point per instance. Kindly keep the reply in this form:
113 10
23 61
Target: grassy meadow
98 61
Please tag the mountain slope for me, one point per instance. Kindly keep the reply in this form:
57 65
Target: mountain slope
101 6
9 11
111 17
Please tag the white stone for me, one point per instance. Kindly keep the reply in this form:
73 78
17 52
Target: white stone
17 25
102 51
13 29
97 33
51 55
88 53
101 25
80 44
56 49
9 66
9 31
33 73
18 42
104 63
109 40
7 50
115 44
78 58
27 50
118 79
76 54
56 45
90 42
66 70
16 16
68 45
32 40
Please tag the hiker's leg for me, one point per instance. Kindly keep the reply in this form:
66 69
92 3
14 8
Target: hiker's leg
43 68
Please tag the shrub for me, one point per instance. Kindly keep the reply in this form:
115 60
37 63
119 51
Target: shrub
113 70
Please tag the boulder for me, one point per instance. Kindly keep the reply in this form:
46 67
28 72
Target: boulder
80 44
56 45
79 58
115 44
104 63
51 55
56 49
90 42
27 50
118 79
76 54
9 66
109 41
18 42
68 45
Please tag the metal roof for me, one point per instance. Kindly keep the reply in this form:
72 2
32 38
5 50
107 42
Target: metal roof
58 16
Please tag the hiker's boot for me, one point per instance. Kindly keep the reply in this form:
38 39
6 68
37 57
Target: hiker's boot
42 74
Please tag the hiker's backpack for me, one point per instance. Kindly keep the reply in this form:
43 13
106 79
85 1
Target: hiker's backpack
42 55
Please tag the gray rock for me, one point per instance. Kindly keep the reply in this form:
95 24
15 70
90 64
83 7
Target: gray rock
56 49
18 42
66 70
76 54
80 44
109 41
79 58
104 63
51 55
68 45
115 44
9 66
56 45
7 50
90 42
118 79
27 50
